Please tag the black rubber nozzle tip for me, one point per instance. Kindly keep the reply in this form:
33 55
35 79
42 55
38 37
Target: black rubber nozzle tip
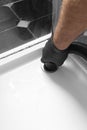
50 67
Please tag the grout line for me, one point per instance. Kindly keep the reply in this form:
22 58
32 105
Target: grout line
8 29
39 18
31 33
17 1
15 13
12 2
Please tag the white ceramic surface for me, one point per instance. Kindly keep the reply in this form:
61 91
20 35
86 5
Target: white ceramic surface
32 99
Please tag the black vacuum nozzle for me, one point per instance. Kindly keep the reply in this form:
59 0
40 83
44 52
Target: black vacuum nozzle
54 58
51 67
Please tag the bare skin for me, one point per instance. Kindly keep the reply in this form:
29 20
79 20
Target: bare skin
72 22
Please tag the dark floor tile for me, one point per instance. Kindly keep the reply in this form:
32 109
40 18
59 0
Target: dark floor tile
41 27
13 38
3 2
41 7
7 19
5 13
32 9
23 10
25 34
6 25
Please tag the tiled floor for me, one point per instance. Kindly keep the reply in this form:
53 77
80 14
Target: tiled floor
22 21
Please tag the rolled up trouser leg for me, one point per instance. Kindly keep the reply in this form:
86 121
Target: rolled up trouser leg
52 57
56 6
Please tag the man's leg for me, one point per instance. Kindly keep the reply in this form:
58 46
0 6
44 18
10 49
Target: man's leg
71 23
